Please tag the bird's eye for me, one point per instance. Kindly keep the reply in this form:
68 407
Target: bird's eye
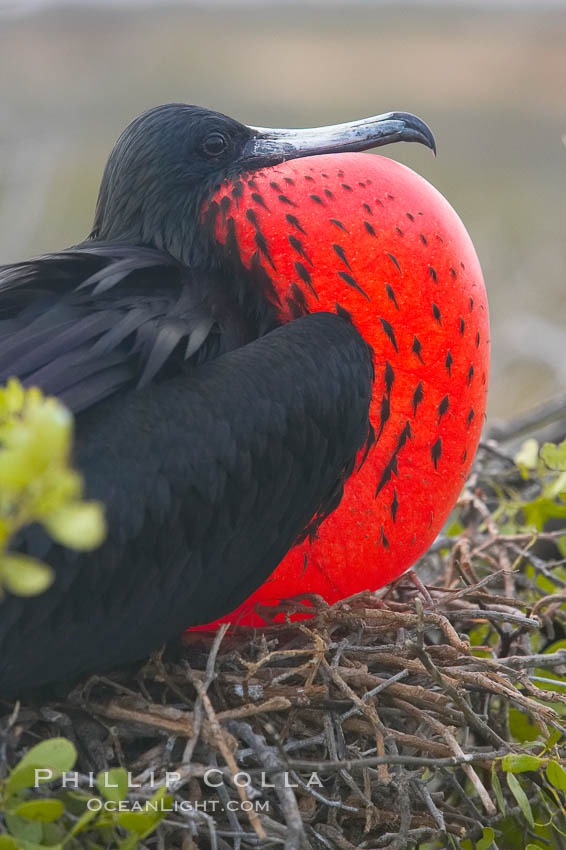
214 144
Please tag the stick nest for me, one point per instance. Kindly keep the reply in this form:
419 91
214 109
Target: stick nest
381 698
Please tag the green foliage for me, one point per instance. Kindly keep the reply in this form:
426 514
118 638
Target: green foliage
485 842
529 787
38 484
36 820
547 465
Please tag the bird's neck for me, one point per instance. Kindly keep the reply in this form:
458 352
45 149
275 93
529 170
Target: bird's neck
185 233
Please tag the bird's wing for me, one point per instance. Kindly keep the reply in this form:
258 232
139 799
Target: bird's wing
88 321
208 480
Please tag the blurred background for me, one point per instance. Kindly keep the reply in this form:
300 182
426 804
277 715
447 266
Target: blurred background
489 77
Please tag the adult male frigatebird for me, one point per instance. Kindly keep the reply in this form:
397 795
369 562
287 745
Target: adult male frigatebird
217 419
214 433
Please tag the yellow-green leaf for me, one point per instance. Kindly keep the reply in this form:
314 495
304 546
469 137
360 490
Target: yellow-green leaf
113 784
519 763
487 839
520 727
46 761
82 822
521 798
556 775
527 456
554 456
41 810
79 525
28 831
139 822
23 575
497 790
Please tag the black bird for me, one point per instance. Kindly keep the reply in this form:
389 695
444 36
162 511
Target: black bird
215 435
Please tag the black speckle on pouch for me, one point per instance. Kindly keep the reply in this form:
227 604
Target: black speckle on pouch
394 506
285 200
443 407
418 396
417 348
391 294
436 452
353 283
294 222
390 333
339 250
394 260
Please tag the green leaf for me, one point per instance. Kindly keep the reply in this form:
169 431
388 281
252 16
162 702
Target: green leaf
7 843
546 585
33 845
497 790
520 727
131 842
554 456
52 758
56 754
527 456
23 830
552 741
138 822
519 763
79 525
25 576
556 488
41 810
113 784
521 798
556 646
487 839
479 634
551 677
537 512
556 775
454 529
143 823
82 823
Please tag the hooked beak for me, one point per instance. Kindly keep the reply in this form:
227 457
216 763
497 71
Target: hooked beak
279 145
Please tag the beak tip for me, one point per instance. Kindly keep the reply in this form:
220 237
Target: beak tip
433 145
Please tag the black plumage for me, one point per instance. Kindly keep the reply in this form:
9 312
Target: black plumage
208 478
215 436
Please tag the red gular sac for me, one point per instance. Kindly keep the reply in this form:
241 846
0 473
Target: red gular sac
363 235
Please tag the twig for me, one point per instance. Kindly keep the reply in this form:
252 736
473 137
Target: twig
269 758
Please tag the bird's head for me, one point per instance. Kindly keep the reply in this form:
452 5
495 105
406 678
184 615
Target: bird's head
171 157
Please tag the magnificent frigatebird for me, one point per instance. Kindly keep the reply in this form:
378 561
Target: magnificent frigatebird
367 233
217 432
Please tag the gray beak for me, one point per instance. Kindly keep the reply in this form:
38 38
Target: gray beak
277 145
